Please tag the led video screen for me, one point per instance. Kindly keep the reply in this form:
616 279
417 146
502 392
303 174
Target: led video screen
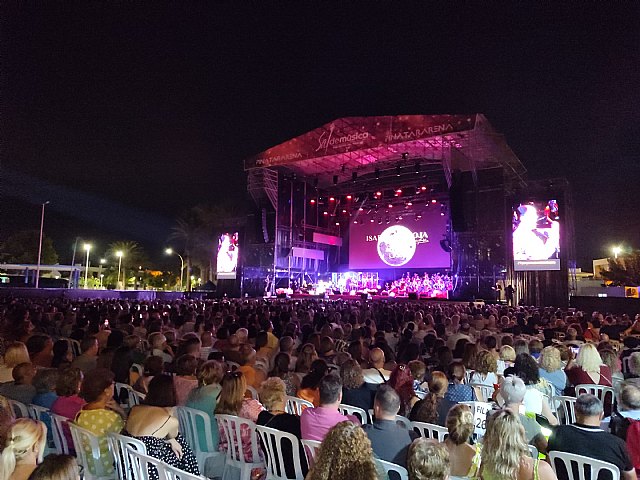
536 236
227 258
410 242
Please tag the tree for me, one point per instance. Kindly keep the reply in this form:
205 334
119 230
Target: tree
22 247
133 257
624 270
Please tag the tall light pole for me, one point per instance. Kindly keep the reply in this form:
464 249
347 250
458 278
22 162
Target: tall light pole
119 255
100 275
87 247
616 251
40 244
169 251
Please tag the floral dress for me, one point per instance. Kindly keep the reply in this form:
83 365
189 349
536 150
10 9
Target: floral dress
250 410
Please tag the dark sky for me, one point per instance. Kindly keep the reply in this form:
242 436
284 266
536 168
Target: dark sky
123 115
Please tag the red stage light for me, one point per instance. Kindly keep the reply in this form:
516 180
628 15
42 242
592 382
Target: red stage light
399 191
423 188
378 194
331 199
312 201
326 213
390 206
434 201
348 197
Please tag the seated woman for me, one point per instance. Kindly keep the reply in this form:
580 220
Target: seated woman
535 400
154 423
205 397
551 369
153 365
458 390
486 366
434 407
68 403
185 379
272 395
23 449
309 384
233 402
505 453
281 370
402 382
588 368
101 414
428 459
355 391
464 458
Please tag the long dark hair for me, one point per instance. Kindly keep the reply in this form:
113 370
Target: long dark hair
161 392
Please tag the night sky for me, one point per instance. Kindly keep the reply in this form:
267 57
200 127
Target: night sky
124 114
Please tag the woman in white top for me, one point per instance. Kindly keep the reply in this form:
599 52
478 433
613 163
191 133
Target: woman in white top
486 366
534 400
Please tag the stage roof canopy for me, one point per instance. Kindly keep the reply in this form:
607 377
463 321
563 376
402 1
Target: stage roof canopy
366 144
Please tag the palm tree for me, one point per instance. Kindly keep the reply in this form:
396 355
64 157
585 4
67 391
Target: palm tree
133 255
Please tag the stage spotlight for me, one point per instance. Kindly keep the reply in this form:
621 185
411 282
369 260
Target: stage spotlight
433 200
445 244
423 188
354 176
332 199
349 197
361 209
378 193
355 221
335 179
405 155
325 213
377 174
409 204
399 191
344 211
312 201
337 223
372 220
399 218
375 208
390 205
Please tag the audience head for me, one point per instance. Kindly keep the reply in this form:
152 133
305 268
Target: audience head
186 365
330 390
512 390
611 360
527 369
209 373
438 384
417 369
504 445
45 380
281 364
345 454
23 374
57 467
98 385
427 459
634 364
629 397
305 358
460 424
273 393
486 362
588 358
234 386
386 403
26 437
69 382
89 346
161 392
15 354
507 353
456 372
521 346
550 359
153 366
61 353
351 374
588 409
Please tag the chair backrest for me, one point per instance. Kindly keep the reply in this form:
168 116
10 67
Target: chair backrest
137 368
296 405
58 427
403 422
605 394
429 430
75 347
132 397
253 392
566 407
143 464
485 390
232 426
272 440
625 364
311 448
20 410
567 461
88 451
355 411
394 471
123 465
36 412
191 421
533 451
232 365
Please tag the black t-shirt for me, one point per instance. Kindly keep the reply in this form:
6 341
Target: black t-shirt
361 397
285 422
590 442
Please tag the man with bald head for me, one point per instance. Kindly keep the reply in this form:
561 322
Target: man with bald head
377 373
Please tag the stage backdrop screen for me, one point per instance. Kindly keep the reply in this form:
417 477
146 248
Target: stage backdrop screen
409 243
536 236
227 258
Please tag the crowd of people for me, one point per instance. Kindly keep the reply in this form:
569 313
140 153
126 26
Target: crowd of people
435 285
423 361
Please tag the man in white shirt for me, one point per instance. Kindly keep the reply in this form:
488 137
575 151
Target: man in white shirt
464 331
377 373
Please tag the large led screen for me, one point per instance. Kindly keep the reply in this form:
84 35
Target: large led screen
413 242
536 236
227 258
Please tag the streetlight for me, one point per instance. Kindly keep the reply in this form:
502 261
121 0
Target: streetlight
87 247
102 262
40 244
119 255
616 251
169 251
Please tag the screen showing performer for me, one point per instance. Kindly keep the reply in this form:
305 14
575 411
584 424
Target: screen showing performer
536 236
227 258
407 241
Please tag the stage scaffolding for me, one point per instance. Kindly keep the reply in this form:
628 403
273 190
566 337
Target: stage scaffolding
424 155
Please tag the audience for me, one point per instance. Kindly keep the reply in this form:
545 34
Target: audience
464 458
551 369
428 460
513 392
15 354
21 389
23 449
355 391
57 467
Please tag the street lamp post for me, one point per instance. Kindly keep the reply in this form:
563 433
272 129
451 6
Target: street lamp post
100 275
40 244
169 251
87 248
119 255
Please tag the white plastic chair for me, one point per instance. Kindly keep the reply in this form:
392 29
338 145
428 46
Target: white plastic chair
272 440
89 455
355 411
137 368
36 412
404 422
75 347
123 465
142 463
191 422
394 471
20 410
533 451
566 408
569 460
133 397
485 390
605 394
429 430
232 365
232 426
59 425
311 448
296 405
253 392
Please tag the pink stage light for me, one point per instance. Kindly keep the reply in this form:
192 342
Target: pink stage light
344 211
423 188
312 201
325 213
434 200
390 205
348 197
378 194
331 199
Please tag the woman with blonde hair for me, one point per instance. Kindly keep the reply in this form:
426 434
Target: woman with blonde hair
464 458
587 368
427 459
507 357
505 455
551 369
23 449
304 360
15 354
345 454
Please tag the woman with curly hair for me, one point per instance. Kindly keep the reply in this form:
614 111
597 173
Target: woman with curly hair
551 369
345 454
401 381
354 390
464 458
486 366
505 455
428 459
